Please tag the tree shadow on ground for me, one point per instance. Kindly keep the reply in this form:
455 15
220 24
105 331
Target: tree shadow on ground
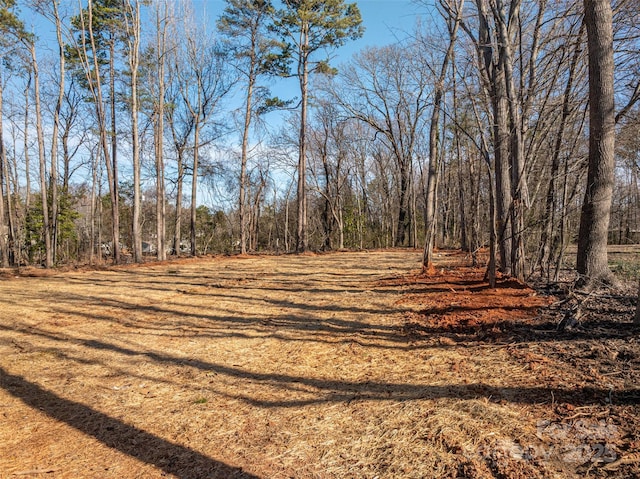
171 458
541 329
332 390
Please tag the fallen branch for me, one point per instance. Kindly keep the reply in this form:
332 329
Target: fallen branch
572 317
34 471
628 459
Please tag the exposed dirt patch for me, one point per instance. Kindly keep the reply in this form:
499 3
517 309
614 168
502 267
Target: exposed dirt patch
315 366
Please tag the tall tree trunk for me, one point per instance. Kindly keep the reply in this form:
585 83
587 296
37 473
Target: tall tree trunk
27 163
547 239
432 175
255 215
133 39
92 73
4 249
518 181
453 22
13 246
16 214
591 261
115 197
303 75
92 229
161 203
177 226
327 208
503 177
493 75
194 189
403 212
493 237
464 230
43 167
286 219
340 220
54 134
248 108
483 147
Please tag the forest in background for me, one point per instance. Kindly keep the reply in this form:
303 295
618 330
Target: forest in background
151 131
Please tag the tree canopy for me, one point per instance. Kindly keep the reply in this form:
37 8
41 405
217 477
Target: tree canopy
471 129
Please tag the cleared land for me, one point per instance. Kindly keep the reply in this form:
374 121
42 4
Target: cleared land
331 366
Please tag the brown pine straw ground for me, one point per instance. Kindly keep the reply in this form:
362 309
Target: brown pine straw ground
349 365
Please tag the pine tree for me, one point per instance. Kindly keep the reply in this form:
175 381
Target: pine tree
99 30
244 23
309 27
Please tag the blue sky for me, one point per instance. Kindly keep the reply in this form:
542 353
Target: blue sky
384 21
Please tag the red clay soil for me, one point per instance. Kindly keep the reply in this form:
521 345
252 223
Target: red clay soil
459 300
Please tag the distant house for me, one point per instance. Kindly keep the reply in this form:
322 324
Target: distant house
107 248
148 248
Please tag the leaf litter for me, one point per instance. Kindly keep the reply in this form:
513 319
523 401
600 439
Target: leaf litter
314 366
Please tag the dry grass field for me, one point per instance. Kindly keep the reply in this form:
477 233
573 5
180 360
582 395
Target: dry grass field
348 365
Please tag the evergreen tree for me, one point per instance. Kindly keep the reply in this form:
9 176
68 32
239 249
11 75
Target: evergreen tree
244 23
307 28
99 34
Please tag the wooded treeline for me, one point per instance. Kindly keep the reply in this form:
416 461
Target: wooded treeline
148 129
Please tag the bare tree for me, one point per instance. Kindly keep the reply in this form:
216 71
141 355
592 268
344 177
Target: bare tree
12 33
4 173
181 127
41 156
492 81
592 263
203 82
548 244
309 27
388 89
132 28
163 17
87 53
329 148
245 24
52 12
505 20
453 15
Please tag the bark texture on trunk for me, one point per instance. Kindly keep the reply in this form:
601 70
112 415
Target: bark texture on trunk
301 236
161 203
434 139
4 249
591 262
134 39
43 168
194 190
